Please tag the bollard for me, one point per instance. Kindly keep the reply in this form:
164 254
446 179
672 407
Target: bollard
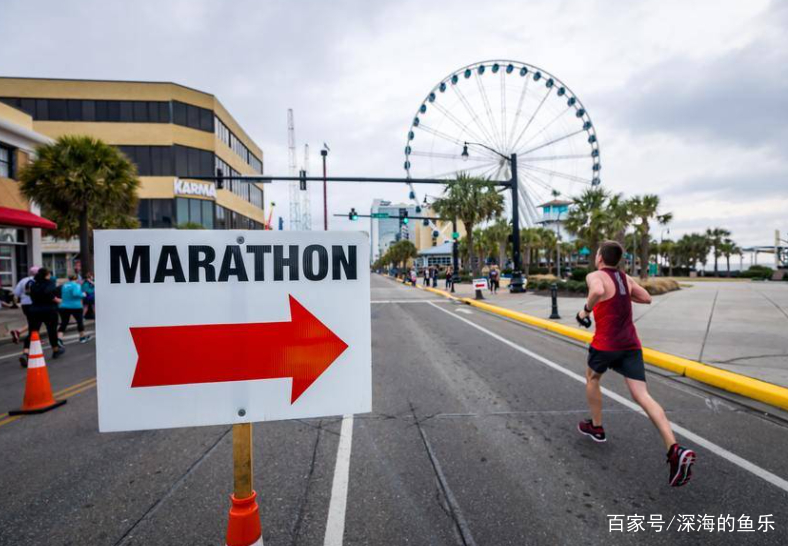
554 297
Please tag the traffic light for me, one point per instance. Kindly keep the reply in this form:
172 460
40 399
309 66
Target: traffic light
352 215
219 179
404 216
425 223
455 235
302 180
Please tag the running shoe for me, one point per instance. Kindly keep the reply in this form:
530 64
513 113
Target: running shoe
85 339
15 336
23 361
681 460
60 343
596 433
59 352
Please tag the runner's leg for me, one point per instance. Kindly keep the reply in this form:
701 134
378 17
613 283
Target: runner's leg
594 396
652 408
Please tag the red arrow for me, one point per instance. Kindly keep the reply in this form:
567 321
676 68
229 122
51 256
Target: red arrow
212 353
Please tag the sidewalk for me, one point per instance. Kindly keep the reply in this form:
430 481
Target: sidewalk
737 326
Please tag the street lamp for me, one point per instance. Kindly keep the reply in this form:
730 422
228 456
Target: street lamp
324 153
516 283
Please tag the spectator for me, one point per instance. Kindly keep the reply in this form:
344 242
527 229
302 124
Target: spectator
449 275
494 279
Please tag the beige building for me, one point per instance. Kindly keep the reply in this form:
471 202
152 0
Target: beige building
20 223
170 131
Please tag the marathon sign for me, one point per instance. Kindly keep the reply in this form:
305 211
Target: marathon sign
199 189
208 327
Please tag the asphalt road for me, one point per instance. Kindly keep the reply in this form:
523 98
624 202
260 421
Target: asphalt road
472 441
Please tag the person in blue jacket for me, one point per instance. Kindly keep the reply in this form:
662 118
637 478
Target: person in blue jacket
71 306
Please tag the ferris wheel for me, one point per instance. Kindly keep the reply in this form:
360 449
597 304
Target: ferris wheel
475 118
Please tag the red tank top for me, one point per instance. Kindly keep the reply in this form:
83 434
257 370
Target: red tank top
615 330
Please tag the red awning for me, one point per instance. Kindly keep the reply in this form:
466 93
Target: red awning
22 218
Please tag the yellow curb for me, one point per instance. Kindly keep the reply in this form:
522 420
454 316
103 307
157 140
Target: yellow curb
756 389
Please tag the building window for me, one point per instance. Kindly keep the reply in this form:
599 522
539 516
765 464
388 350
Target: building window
5 162
195 211
94 110
155 213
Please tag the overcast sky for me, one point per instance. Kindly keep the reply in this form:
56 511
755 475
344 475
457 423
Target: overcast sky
689 99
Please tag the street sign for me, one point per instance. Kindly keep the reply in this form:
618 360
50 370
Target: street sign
380 215
216 327
479 283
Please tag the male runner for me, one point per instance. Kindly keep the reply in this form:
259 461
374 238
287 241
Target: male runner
616 345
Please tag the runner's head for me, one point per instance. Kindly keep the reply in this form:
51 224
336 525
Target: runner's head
33 270
609 254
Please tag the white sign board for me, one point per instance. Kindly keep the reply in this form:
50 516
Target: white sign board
208 327
479 283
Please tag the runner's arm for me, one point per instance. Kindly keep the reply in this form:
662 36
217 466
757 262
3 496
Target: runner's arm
637 293
596 290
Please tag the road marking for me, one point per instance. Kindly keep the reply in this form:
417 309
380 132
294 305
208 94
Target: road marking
463 310
66 393
335 527
409 301
686 433
68 340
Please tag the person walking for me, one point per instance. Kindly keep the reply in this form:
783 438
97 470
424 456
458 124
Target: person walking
22 294
434 276
449 273
71 306
495 279
43 309
89 288
426 274
413 276
616 345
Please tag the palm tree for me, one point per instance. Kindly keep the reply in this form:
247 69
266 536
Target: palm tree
586 218
82 184
530 239
473 201
498 234
667 249
618 218
549 242
716 237
645 208
729 248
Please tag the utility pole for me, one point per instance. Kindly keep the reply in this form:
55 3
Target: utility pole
295 198
324 153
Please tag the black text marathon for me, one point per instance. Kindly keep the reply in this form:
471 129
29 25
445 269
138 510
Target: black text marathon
237 263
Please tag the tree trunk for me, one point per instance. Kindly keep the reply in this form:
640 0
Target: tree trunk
85 256
670 266
644 255
527 259
469 233
728 261
716 273
501 255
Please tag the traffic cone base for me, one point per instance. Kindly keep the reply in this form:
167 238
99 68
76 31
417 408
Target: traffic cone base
243 528
38 391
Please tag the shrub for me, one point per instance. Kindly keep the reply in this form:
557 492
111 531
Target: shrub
757 272
657 286
576 286
579 274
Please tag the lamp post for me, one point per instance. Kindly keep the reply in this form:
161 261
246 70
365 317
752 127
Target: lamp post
516 283
324 153
661 241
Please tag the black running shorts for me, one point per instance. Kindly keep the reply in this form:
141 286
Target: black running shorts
628 363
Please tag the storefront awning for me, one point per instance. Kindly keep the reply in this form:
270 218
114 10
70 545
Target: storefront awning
22 218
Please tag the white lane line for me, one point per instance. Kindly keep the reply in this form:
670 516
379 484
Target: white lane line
688 434
463 310
335 526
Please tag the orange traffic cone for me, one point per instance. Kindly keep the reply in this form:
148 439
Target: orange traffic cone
244 528
38 391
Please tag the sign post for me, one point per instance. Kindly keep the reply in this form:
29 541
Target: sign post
212 327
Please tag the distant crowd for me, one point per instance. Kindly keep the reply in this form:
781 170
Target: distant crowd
44 302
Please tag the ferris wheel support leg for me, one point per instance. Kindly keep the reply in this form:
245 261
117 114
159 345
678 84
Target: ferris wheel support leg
517 284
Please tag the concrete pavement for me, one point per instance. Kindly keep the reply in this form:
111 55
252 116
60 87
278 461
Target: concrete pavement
471 440
737 326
